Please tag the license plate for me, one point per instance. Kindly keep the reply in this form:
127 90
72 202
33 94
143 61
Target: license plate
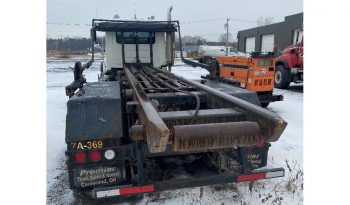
95 144
98 175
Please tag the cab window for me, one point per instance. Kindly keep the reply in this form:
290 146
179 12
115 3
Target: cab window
233 50
131 37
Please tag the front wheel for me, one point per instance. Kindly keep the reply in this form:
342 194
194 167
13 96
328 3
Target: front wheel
282 80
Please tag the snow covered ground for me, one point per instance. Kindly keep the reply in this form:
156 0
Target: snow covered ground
287 152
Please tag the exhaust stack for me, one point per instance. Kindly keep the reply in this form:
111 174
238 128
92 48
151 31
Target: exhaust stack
169 43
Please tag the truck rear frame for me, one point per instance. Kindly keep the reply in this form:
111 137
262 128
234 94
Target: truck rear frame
140 126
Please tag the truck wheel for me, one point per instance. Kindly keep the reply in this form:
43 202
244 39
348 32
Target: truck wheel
282 77
264 105
200 60
101 67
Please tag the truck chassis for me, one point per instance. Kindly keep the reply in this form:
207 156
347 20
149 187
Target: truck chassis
140 126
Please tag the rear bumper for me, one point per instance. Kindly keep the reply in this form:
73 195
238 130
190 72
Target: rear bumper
297 75
104 192
295 71
267 98
277 98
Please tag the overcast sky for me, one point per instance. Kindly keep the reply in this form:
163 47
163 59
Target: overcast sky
197 17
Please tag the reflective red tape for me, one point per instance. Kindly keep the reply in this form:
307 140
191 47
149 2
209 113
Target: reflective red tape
136 189
250 177
261 143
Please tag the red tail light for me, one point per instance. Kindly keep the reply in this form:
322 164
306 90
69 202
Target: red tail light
80 157
261 143
95 156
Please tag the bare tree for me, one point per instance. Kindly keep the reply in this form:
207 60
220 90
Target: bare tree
263 21
194 40
235 44
199 40
222 38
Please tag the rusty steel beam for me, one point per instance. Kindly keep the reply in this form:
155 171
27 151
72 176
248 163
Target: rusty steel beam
215 136
137 132
157 133
271 124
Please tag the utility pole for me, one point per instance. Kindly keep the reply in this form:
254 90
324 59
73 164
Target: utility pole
226 26
56 46
96 11
68 46
134 11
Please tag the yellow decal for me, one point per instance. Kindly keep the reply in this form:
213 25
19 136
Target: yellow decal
87 145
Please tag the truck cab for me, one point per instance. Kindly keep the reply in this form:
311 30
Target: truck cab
231 51
290 66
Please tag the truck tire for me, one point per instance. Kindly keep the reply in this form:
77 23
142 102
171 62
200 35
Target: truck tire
200 60
282 80
264 105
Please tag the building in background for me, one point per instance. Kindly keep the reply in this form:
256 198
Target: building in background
270 37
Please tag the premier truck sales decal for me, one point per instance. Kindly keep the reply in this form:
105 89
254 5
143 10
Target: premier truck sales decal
97 176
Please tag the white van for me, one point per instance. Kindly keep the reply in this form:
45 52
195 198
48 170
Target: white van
214 51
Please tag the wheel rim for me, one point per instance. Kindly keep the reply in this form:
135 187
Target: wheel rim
278 77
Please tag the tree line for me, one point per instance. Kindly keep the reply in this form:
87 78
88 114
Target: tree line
83 45
188 40
70 44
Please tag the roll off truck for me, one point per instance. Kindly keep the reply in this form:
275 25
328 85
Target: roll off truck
143 129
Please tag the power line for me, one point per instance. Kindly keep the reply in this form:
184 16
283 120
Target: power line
67 24
201 21
81 25
218 19
182 22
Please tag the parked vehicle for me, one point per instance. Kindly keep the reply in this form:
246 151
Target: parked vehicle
290 66
139 126
213 51
255 73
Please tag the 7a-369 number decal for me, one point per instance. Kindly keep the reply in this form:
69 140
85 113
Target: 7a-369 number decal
87 145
